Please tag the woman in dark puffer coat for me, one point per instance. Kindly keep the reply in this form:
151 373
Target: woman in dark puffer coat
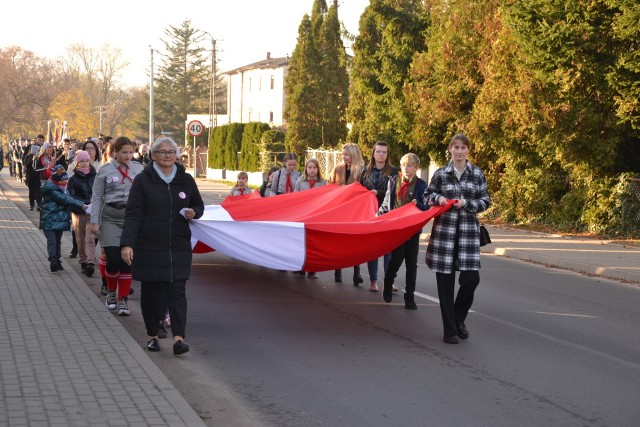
156 240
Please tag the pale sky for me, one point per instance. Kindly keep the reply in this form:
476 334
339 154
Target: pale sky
245 29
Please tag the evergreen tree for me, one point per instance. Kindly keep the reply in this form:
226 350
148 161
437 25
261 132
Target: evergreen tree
390 34
624 77
318 12
334 82
183 79
302 92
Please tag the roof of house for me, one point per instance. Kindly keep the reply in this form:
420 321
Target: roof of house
268 63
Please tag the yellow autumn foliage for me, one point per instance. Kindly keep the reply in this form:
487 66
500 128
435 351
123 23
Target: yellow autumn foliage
74 108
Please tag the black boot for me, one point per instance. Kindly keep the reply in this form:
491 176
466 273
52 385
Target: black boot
357 279
387 291
83 267
409 302
90 269
338 276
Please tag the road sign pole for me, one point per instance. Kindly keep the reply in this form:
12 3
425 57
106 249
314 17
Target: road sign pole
195 129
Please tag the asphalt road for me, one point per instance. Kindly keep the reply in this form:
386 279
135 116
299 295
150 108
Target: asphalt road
547 348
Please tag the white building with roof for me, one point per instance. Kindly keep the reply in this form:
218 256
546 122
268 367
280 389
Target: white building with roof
255 92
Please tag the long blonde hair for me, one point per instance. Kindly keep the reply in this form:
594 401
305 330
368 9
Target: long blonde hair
357 162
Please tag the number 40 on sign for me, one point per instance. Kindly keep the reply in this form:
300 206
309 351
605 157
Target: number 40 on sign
195 128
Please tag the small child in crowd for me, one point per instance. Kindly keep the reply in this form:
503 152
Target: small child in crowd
286 177
80 187
403 189
267 180
55 215
241 185
310 178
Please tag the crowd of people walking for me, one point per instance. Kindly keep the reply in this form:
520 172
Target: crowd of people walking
135 202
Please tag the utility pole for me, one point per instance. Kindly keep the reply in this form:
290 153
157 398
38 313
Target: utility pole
213 117
151 112
213 73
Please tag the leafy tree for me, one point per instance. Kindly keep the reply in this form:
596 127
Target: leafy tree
27 88
390 35
74 107
183 78
446 77
624 77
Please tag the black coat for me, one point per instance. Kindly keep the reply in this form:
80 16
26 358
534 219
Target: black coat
80 185
366 179
153 226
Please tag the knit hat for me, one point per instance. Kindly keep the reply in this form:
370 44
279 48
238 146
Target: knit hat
45 146
82 155
59 174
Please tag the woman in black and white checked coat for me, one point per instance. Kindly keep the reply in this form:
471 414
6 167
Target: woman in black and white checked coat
454 244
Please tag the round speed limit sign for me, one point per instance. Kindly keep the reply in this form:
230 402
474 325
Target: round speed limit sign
195 128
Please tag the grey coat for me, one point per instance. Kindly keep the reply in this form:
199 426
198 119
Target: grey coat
456 226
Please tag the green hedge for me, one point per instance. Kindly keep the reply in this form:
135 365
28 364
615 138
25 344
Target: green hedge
244 138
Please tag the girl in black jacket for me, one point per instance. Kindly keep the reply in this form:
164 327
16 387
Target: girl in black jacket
376 178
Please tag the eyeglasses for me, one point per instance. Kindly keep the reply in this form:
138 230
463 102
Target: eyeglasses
165 153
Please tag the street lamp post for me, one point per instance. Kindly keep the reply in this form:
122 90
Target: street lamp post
212 91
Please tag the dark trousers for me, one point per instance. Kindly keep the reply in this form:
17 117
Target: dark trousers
74 242
453 312
407 253
35 194
156 297
54 237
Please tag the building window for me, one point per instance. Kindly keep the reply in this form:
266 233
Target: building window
260 84
273 81
249 84
271 117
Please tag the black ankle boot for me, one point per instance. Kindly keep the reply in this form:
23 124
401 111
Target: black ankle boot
338 276
83 267
387 291
357 279
409 302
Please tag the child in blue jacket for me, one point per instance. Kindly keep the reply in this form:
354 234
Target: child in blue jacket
55 215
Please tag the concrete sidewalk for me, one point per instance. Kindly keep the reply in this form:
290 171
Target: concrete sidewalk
588 256
64 358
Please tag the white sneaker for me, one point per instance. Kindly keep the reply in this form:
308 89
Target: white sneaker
111 302
123 310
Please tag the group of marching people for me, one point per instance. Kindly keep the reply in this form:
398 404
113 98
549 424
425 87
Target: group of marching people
93 194
454 243
125 203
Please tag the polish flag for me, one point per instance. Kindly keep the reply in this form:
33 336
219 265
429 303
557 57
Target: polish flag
321 229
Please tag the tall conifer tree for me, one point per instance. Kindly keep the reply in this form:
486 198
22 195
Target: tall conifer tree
334 81
390 34
302 91
317 82
183 79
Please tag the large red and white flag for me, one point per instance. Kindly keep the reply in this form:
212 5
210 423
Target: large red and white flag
321 229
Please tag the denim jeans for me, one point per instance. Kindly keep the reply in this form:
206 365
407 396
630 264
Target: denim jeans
373 266
54 237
